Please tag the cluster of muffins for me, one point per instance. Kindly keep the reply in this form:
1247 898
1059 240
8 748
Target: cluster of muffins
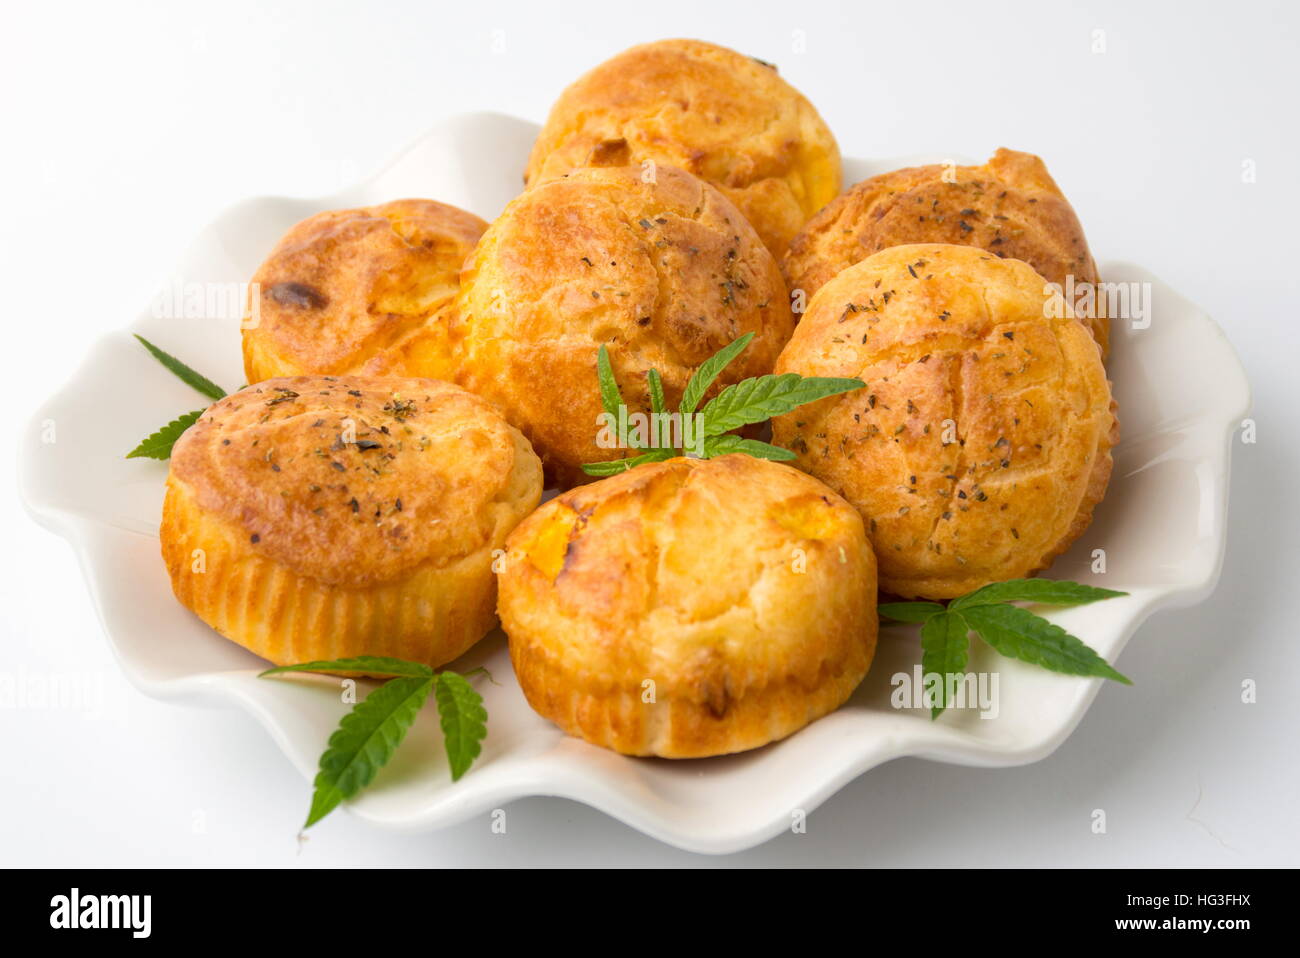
419 377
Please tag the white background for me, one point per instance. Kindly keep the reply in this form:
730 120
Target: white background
126 128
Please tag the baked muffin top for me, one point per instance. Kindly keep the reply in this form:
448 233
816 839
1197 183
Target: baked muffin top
354 291
356 480
1010 206
664 273
686 572
983 433
724 116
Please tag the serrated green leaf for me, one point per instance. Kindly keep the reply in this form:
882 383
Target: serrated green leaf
1020 634
1046 591
613 467
463 719
762 397
944 643
158 445
610 397
725 445
909 611
365 740
376 665
708 371
656 387
182 372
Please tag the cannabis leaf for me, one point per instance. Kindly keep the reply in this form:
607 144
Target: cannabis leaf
708 371
184 373
463 719
1012 630
910 611
376 665
944 644
722 445
656 387
1020 634
1046 591
368 735
159 444
614 466
610 397
748 402
364 742
762 397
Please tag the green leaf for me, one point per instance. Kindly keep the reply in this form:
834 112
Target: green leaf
1021 634
1046 591
723 445
708 371
610 397
762 397
656 386
365 740
613 467
909 611
377 665
183 372
159 444
944 643
464 721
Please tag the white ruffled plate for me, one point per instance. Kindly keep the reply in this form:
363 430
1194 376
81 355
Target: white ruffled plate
1181 390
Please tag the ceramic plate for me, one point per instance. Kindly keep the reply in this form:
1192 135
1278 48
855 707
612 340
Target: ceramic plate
1161 527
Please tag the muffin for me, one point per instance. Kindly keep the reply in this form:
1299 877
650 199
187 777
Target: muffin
981 442
363 291
320 517
1010 206
728 118
691 607
663 273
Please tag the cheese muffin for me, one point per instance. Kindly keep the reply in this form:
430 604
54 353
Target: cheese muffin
324 517
723 116
1010 206
691 607
363 291
981 442
663 273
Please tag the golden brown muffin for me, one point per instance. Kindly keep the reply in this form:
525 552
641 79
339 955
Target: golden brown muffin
665 274
1010 206
321 517
691 607
363 291
728 118
982 440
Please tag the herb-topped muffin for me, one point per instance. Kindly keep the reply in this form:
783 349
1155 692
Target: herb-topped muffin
320 517
692 607
1010 207
981 441
664 273
726 117
364 291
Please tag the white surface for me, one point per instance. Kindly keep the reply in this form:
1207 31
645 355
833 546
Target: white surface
128 132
